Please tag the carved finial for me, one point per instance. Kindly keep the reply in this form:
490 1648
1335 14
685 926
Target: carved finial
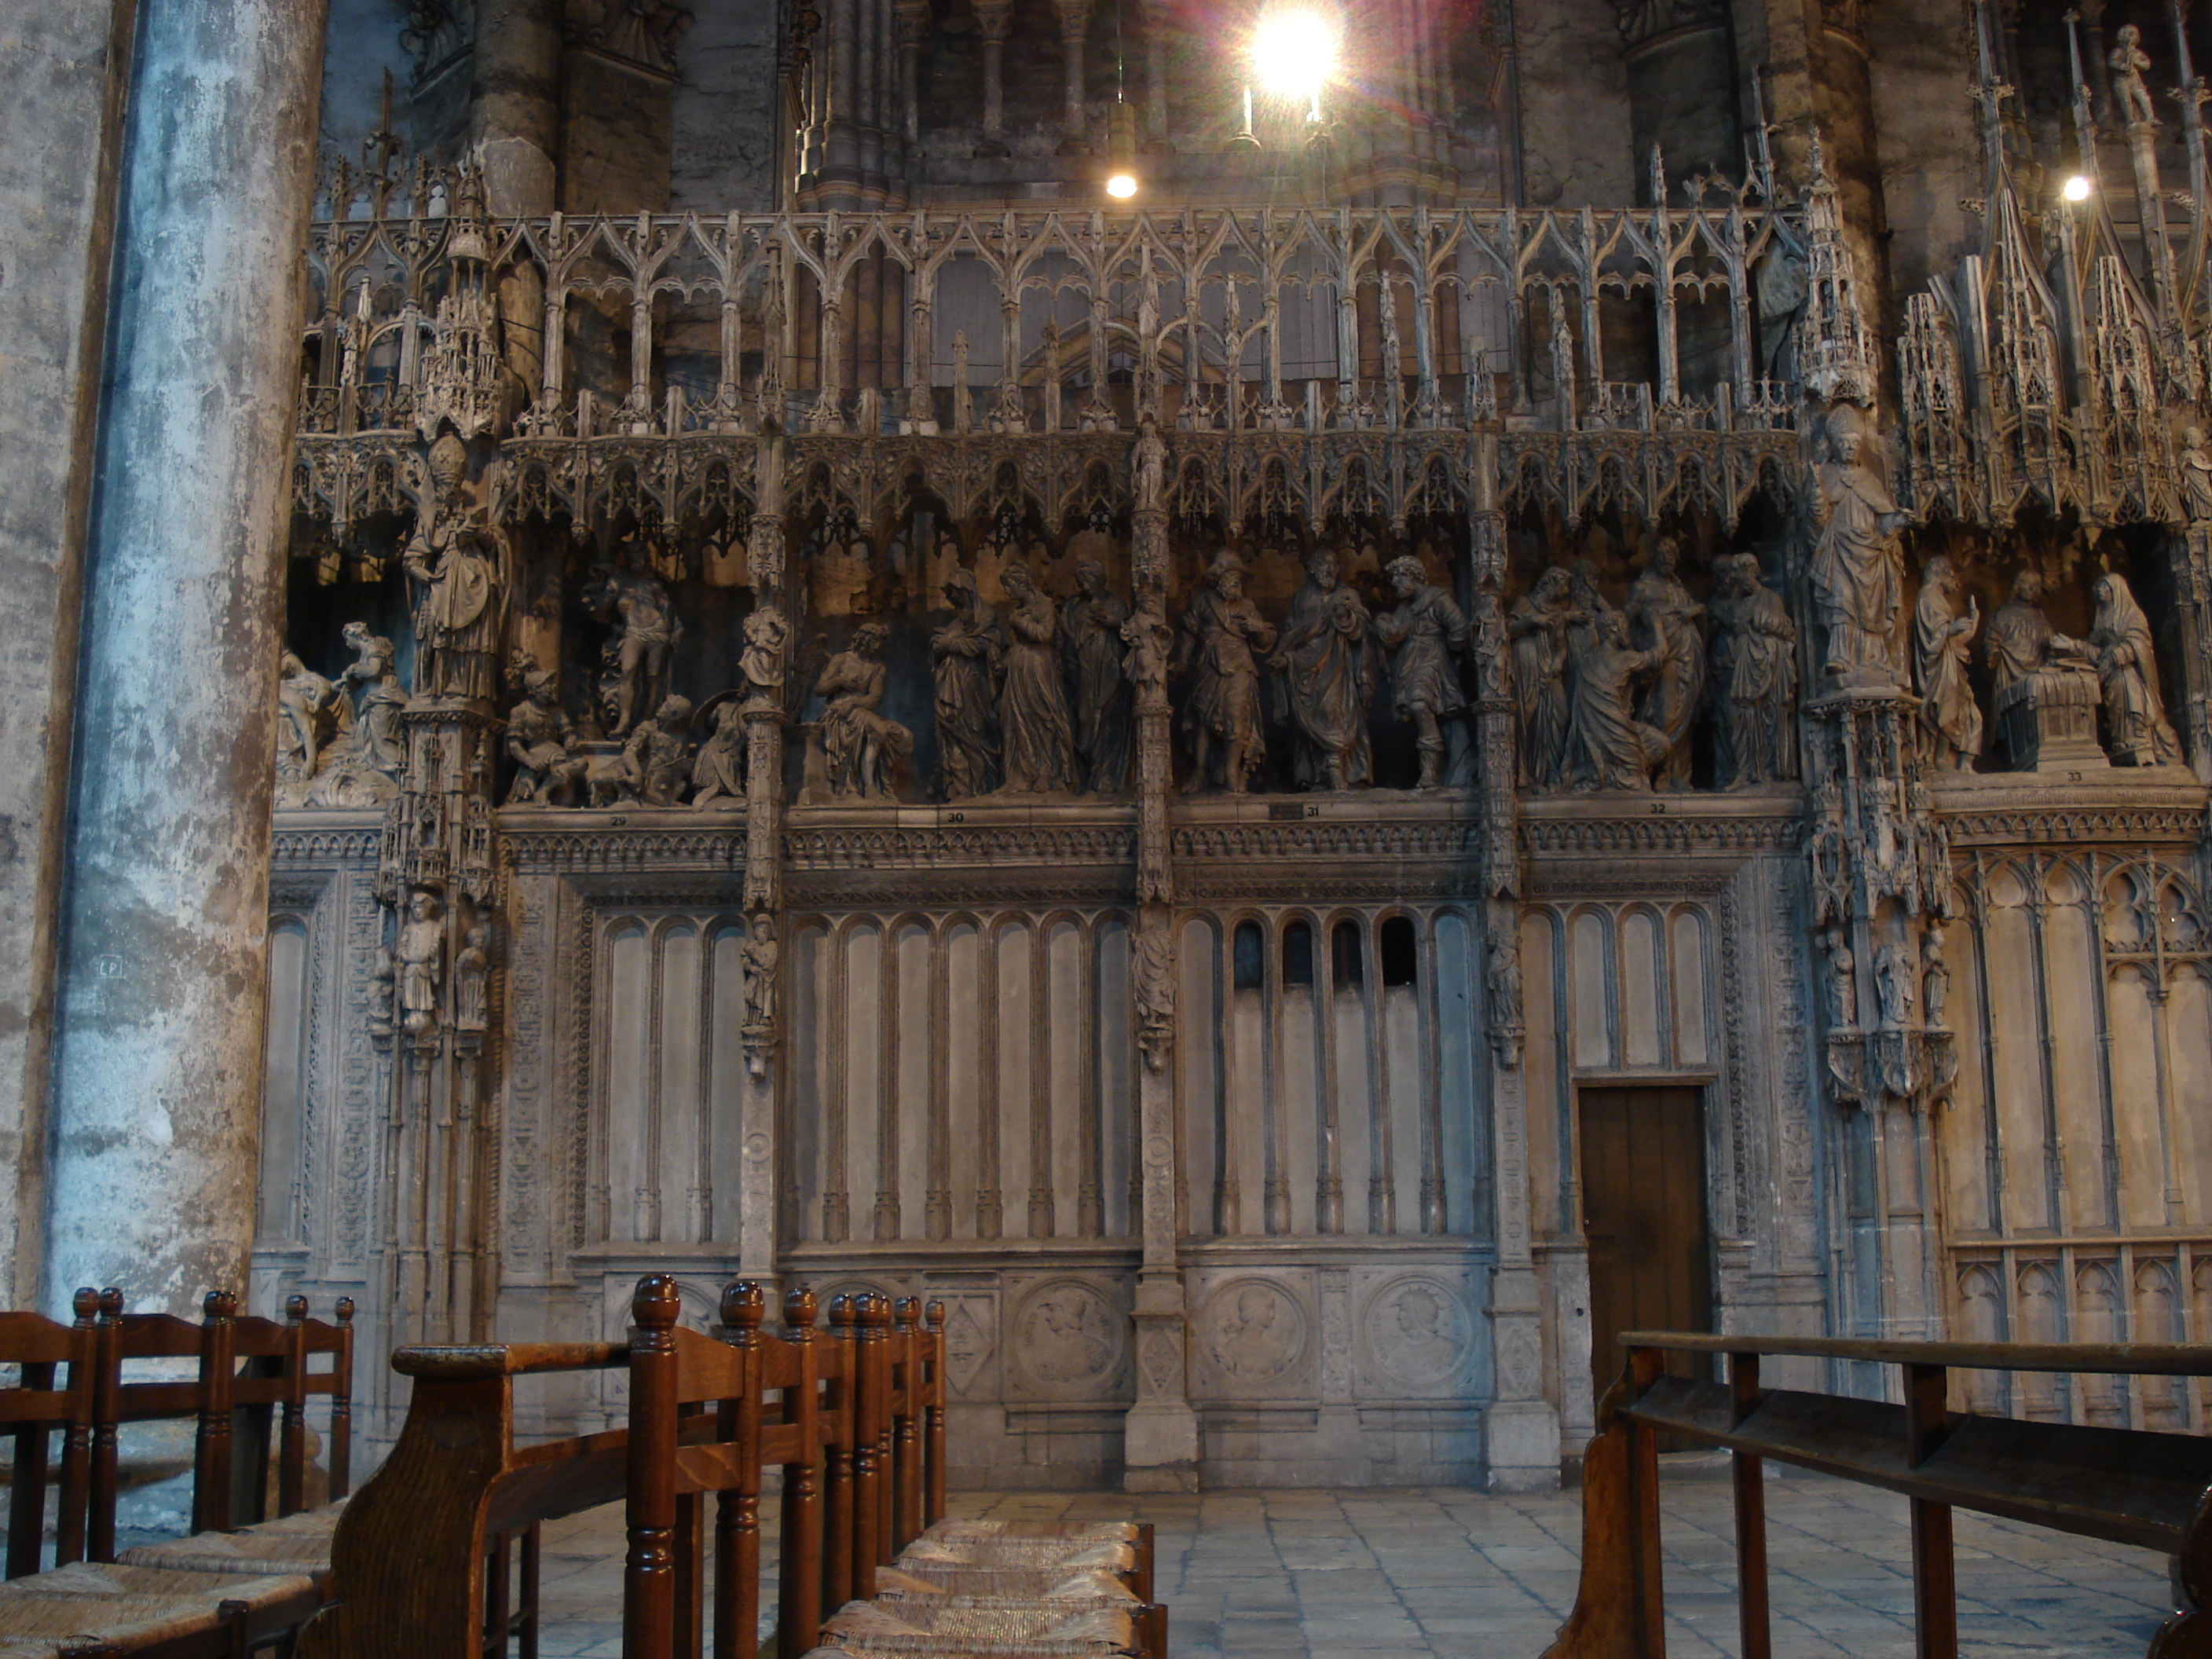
744 1305
84 1304
296 1307
799 1309
656 1304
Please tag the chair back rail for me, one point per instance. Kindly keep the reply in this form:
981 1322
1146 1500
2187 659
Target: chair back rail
2127 1485
36 1406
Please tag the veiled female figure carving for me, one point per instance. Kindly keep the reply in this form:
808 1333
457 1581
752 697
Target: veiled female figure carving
1939 663
969 650
858 744
1326 657
1038 739
1221 629
1537 630
2127 673
1091 641
1661 603
1754 677
1857 573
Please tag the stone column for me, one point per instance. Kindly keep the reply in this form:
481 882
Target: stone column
156 1100
1075 19
993 17
763 889
514 130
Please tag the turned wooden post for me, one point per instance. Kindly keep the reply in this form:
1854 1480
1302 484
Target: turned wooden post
342 1405
932 1502
798 1565
736 1514
843 1457
906 1442
292 1426
211 1456
649 1569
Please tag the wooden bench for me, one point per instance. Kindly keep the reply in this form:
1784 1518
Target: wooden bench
2126 1485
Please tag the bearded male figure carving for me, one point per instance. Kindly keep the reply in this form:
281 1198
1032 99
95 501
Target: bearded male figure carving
1221 631
1326 657
1428 633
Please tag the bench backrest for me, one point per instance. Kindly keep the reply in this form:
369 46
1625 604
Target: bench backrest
34 1407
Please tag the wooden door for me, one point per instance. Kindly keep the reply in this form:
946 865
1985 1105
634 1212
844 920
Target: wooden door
1643 1212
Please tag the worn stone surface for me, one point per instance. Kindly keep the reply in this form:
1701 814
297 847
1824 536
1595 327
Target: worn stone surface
725 108
158 1071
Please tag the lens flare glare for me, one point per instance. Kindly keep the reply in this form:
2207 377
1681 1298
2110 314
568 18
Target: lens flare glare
1121 186
2076 189
1294 51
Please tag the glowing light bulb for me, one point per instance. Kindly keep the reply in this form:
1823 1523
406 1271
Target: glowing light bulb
1121 186
1294 51
2076 189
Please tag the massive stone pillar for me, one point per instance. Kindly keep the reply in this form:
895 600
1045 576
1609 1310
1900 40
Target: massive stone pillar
159 1054
514 135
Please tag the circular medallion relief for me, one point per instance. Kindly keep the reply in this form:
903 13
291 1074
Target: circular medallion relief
1417 1331
1068 1336
1255 1332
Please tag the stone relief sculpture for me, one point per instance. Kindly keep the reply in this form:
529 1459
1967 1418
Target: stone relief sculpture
2196 476
1842 981
1662 608
1069 1334
1538 631
767 638
1940 636
1037 738
1753 670
1148 458
718 771
377 701
2128 61
308 717
1326 655
2019 638
421 959
637 658
1501 980
860 744
1858 573
1257 1336
2046 685
657 758
761 955
540 742
2127 676
1935 979
1098 693
1608 747
383 992
1896 975
1150 642
1427 634
471 976
458 609
969 650
329 752
1153 974
1221 631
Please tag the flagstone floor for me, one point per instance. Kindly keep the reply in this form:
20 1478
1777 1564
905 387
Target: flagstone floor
1459 1574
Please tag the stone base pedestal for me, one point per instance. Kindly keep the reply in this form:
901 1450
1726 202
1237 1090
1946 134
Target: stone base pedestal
1521 1438
2047 721
1160 1448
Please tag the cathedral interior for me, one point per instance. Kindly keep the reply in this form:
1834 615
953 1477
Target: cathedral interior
1307 719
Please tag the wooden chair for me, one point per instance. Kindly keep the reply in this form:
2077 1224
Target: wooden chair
126 1338
278 1379
35 1407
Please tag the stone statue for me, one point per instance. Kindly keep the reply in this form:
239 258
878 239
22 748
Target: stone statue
1150 642
1221 630
471 972
1586 609
658 755
1501 979
1896 971
2195 477
1538 630
1754 677
2128 61
1935 979
760 663
1326 655
376 736
969 650
717 772
1098 696
420 956
1153 972
540 741
1842 981
1149 461
1857 575
307 708
1036 738
1940 636
383 992
2019 638
761 954
1608 747
858 744
1663 607
458 609
2127 675
635 604
1427 634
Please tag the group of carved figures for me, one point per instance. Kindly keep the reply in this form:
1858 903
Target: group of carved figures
1607 698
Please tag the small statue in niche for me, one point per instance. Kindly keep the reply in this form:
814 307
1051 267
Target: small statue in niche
2127 677
458 609
1151 643
1934 980
1098 696
1670 615
1501 979
1036 738
969 650
1608 747
1538 630
2195 477
471 972
383 992
1896 971
1857 573
1754 677
421 961
2128 61
2019 638
1326 655
1221 631
1842 981
1427 636
760 957
376 736
540 741
637 604
1149 463
1940 636
308 725
1155 989
858 744
717 772
658 755
767 637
